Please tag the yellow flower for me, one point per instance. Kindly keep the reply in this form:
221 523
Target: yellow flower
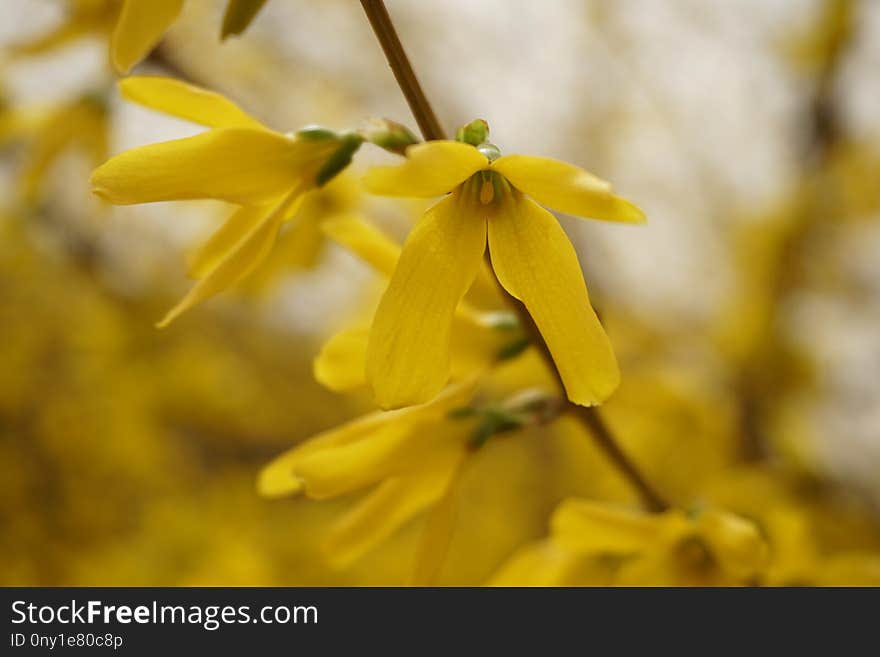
408 353
631 548
47 135
409 458
410 461
139 29
239 160
142 23
480 338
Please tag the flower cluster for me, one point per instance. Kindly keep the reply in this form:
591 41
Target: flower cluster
482 339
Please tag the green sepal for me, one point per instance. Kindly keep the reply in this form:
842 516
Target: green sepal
336 163
389 135
316 132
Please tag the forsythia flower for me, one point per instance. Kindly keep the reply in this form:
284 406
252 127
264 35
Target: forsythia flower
708 547
239 160
408 353
411 459
479 338
79 125
142 23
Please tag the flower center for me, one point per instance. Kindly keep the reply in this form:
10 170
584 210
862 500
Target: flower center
487 186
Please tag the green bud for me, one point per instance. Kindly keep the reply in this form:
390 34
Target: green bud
336 163
390 135
473 133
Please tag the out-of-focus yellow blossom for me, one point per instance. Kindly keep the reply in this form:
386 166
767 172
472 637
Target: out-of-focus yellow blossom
45 134
142 23
631 548
82 18
408 353
827 37
239 160
816 536
301 243
413 459
408 456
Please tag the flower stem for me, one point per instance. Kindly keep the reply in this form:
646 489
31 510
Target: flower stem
406 78
402 69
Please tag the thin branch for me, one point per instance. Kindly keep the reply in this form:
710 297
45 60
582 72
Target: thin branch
402 69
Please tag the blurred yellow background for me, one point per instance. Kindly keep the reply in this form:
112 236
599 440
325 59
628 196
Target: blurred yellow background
745 315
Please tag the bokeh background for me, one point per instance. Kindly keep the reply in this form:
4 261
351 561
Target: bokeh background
746 314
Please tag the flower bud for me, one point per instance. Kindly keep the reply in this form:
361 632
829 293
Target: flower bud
390 135
473 133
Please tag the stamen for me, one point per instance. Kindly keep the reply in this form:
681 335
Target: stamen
487 192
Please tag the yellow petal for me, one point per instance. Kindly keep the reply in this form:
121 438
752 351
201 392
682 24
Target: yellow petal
186 101
439 527
408 350
241 259
140 26
239 165
398 448
566 188
204 259
339 366
279 477
596 528
431 169
387 508
541 564
735 542
537 264
364 240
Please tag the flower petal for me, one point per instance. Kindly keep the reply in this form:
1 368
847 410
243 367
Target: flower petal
400 447
140 26
439 527
566 188
240 165
339 366
735 541
431 169
251 248
538 564
537 264
387 508
408 350
204 259
279 477
185 101
596 528
364 240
